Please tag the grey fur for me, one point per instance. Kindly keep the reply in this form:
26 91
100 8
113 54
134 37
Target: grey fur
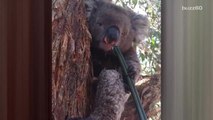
133 29
110 96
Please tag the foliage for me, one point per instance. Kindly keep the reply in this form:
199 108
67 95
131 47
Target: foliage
149 50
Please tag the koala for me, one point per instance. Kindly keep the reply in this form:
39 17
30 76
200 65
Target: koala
110 26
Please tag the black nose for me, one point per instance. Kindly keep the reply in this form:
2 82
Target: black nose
113 33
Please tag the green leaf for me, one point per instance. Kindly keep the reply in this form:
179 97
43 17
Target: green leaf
135 2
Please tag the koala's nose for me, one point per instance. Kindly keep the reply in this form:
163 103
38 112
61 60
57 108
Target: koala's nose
113 33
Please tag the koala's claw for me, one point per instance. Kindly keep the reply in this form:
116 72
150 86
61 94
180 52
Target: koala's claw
131 72
126 88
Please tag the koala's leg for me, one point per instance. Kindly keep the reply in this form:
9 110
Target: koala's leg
110 96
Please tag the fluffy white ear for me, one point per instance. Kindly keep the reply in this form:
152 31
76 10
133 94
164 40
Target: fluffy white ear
140 25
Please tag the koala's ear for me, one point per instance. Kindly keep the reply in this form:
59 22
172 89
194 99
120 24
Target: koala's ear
89 6
140 25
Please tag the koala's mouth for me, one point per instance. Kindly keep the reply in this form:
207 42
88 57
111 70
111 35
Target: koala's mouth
110 38
107 44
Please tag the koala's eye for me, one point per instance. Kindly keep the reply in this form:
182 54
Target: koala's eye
99 23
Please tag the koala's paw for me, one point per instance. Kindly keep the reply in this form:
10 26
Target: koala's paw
132 72
126 88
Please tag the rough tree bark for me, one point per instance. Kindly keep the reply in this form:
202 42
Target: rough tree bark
71 72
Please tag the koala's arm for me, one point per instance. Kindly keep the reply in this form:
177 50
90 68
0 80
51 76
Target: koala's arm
133 63
140 27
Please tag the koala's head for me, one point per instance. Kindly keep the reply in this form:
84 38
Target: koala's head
111 25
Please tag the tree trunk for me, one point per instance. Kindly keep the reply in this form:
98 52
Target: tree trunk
71 68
